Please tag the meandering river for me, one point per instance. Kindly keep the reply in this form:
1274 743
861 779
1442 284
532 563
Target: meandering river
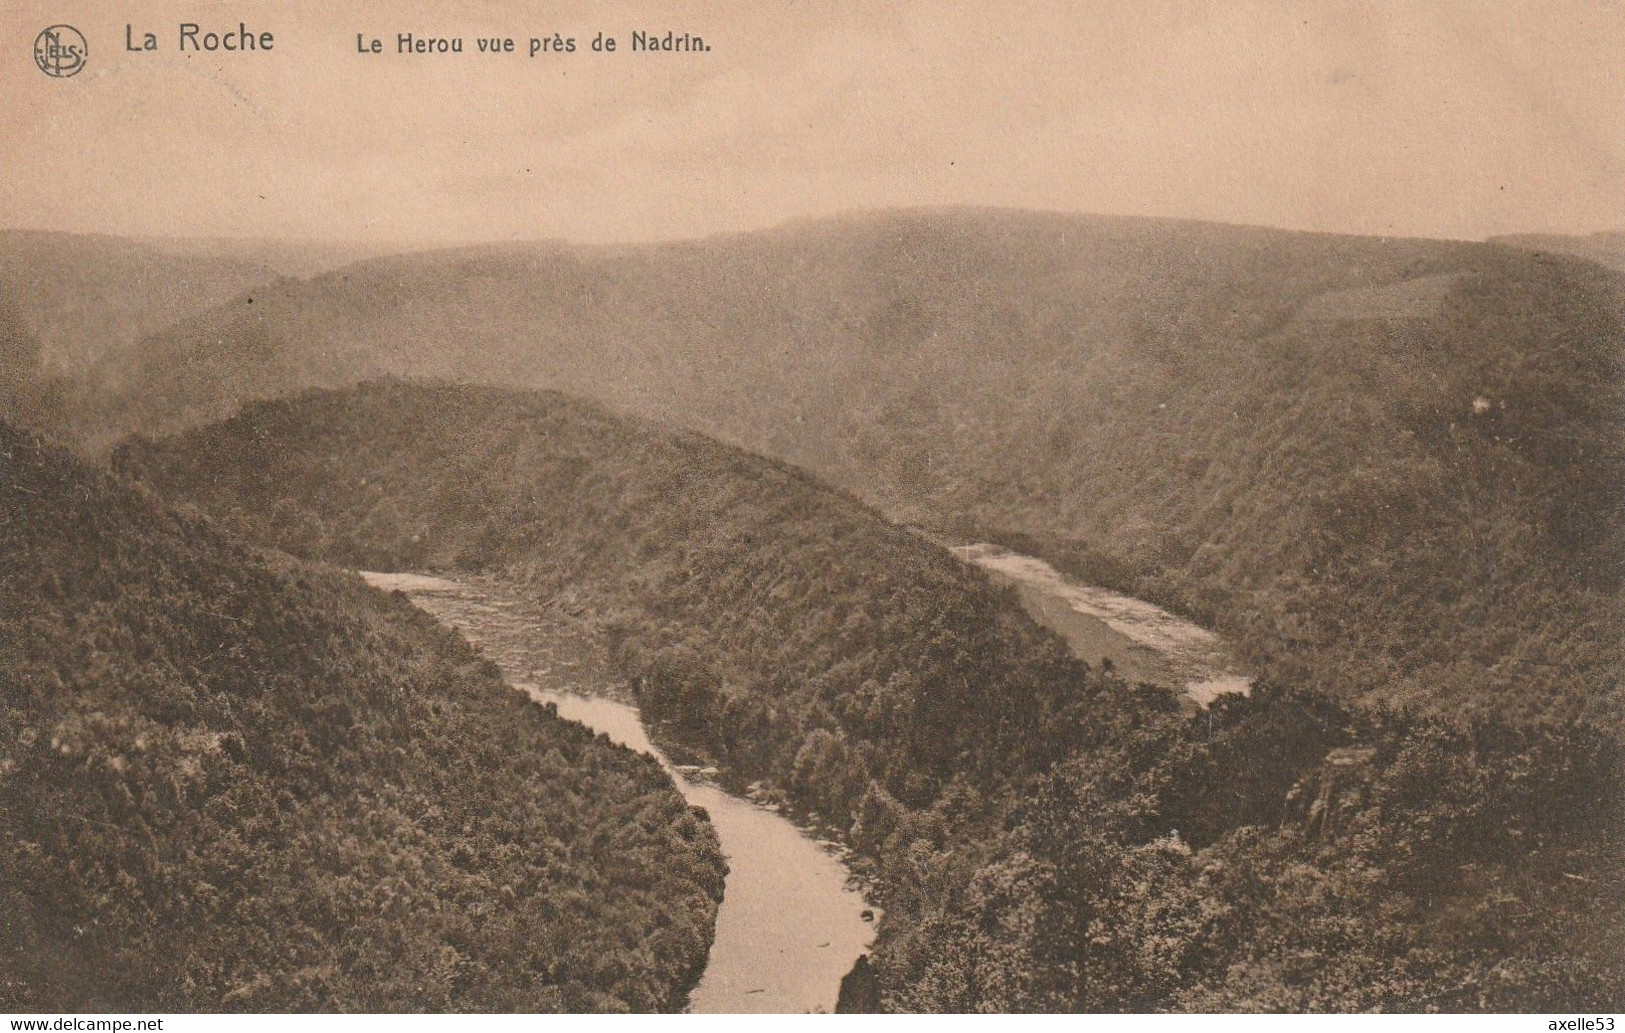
791 922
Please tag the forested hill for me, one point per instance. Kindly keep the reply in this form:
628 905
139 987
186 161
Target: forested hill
91 298
1382 466
1042 836
233 781
781 608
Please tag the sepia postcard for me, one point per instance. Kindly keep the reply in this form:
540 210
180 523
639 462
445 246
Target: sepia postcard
811 506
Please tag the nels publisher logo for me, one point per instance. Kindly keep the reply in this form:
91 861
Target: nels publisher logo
60 51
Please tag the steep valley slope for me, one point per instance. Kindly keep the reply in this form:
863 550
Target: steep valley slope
1388 468
230 780
1041 835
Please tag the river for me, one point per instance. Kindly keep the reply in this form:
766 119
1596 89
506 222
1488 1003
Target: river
1144 642
791 923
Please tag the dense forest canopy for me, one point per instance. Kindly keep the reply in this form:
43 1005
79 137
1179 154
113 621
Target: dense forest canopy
1383 467
1041 835
1387 470
230 780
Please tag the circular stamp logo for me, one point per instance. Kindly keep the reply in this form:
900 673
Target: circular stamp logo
60 51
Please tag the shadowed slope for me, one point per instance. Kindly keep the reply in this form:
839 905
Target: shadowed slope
231 781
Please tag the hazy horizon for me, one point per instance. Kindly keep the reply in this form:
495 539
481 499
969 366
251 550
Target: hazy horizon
1460 121
341 243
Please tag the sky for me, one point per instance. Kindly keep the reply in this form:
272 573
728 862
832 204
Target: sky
1431 118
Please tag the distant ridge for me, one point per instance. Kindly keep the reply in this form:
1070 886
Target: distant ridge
1376 465
1604 248
91 298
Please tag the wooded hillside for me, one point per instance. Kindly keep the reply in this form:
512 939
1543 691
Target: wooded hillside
1042 836
230 780
1383 467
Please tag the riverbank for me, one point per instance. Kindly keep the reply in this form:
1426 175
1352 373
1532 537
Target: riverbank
1142 641
793 919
